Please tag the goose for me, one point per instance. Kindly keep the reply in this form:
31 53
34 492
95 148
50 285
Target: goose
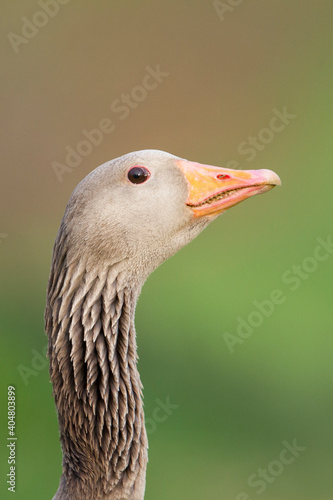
121 222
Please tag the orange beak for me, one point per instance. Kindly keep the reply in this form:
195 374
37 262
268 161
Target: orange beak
213 190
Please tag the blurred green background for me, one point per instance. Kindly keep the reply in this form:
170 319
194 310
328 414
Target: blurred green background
227 72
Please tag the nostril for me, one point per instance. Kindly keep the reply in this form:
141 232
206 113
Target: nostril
223 177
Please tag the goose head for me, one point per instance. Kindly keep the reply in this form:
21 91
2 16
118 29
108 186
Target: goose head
143 207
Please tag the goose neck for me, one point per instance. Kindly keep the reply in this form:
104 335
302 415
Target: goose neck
96 384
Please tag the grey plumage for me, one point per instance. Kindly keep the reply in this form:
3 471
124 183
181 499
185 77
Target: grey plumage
112 236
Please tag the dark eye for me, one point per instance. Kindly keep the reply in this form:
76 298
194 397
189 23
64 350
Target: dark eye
137 175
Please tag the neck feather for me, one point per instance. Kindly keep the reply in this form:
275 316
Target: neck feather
96 385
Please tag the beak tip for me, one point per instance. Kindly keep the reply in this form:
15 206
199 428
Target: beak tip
271 177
